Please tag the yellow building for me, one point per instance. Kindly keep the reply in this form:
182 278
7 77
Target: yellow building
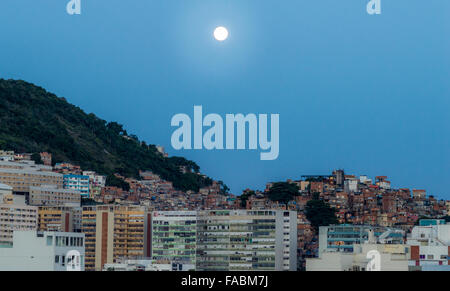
113 232
21 180
57 218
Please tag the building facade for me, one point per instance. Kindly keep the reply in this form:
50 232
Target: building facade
59 218
21 180
15 217
239 240
78 183
113 232
42 251
392 257
174 236
430 245
52 196
343 237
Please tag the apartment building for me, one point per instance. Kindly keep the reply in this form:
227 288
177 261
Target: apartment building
24 165
21 179
59 218
392 257
430 245
49 195
42 251
239 240
5 190
77 182
6 155
174 235
96 183
343 237
15 217
149 265
113 232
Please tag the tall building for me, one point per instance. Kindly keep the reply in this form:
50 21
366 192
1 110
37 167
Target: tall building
15 217
41 251
174 235
113 232
340 176
59 218
238 240
77 182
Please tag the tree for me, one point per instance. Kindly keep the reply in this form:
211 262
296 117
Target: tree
283 192
244 197
320 213
223 188
114 181
36 158
33 120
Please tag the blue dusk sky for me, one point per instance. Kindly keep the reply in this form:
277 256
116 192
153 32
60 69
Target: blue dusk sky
367 93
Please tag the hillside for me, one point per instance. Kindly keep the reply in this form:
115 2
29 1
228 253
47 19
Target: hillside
33 120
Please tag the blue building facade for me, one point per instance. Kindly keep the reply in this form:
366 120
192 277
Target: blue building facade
79 183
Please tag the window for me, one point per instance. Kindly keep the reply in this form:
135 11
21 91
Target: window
49 240
56 259
430 257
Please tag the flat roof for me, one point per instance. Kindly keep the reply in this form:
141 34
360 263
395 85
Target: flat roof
5 187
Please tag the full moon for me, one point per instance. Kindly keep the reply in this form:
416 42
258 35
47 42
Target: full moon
220 33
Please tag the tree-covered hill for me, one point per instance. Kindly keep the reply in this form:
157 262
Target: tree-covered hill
33 120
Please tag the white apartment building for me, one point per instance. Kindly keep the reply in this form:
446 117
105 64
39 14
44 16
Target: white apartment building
149 265
95 179
239 240
430 245
364 179
174 235
351 185
393 257
42 251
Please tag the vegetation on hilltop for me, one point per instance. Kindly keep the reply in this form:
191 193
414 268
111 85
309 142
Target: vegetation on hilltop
320 213
33 120
283 192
